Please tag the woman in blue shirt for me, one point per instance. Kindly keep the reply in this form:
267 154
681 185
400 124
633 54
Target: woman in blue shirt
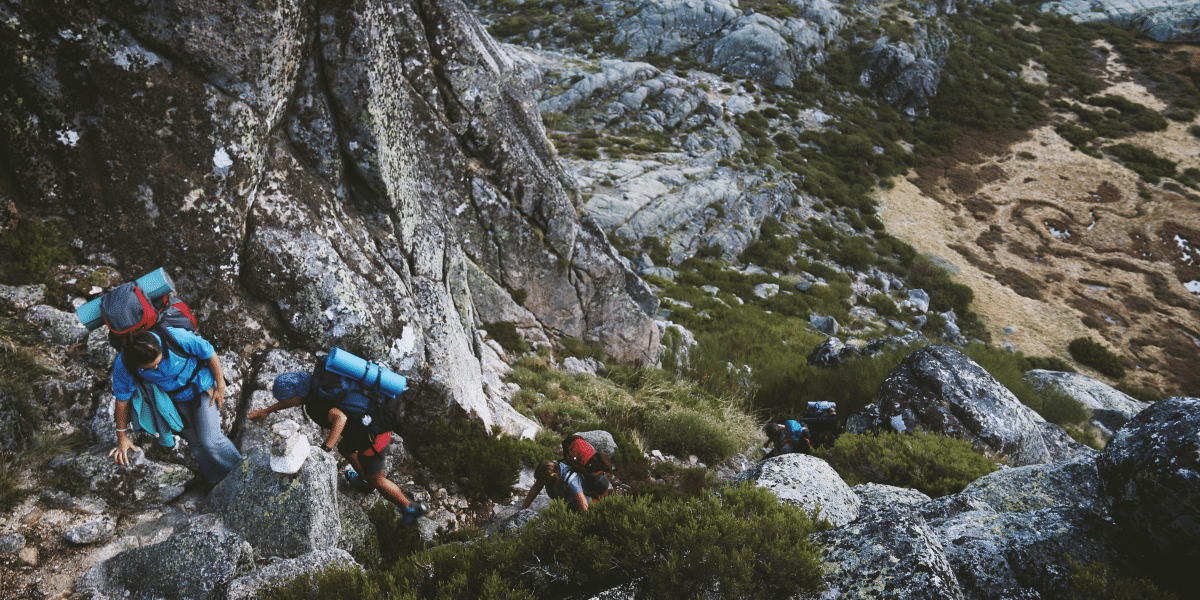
194 381
560 481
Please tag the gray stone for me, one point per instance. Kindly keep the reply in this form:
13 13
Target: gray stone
196 563
60 327
1075 483
1162 20
283 572
11 543
919 321
766 290
826 325
877 498
289 448
1149 469
96 531
663 272
919 300
892 554
20 297
806 482
940 389
59 499
830 353
100 353
359 536
280 515
1109 406
142 484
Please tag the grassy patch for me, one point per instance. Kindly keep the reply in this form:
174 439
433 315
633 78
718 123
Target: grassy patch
10 494
29 250
1144 162
479 465
1096 582
927 462
739 542
505 333
1090 353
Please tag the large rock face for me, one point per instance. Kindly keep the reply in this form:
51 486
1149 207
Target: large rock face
807 482
1162 20
1109 406
329 174
1151 470
1074 483
142 484
940 389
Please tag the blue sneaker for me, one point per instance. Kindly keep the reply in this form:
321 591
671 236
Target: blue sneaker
358 482
410 513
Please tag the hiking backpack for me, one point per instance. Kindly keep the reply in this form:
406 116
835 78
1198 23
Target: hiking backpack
379 412
594 468
797 435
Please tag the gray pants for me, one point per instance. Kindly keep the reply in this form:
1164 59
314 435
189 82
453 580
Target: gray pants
202 430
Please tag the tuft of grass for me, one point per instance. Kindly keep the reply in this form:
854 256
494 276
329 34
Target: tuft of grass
1093 354
29 251
505 333
735 542
480 465
10 492
1096 582
930 463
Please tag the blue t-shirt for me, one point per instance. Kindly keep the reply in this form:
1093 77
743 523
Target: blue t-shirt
569 484
173 372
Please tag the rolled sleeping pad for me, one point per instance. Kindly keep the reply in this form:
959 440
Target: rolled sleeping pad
155 284
367 373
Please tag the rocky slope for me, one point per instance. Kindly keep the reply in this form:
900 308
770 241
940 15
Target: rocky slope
321 173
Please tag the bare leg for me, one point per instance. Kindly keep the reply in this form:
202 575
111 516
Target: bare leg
389 489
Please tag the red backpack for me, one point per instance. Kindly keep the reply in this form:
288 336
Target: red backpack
594 468
127 310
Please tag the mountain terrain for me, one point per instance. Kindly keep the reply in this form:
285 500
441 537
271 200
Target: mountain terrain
972 225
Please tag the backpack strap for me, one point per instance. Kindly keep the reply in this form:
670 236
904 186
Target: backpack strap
168 344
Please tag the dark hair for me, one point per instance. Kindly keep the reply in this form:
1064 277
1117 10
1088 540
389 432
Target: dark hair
141 349
546 470
774 432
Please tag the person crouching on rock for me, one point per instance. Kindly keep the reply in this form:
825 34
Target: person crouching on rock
560 481
195 383
365 452
790 437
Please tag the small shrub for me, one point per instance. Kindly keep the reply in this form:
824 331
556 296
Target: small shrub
10 494
883 305
1144 162
1096 582
1138 393
1087 352
480 464
1194 130
1048 363
684 431
927 462
519 296
580 349
505 333
29 250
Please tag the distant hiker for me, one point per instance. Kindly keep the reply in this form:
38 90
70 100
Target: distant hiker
822 421
560 481
364 447
595 468
788 437
190 374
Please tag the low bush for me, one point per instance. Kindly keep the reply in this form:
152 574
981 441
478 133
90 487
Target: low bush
505 333
11 493
683 431
1048 363
738 542
580 349
1088 352
480 465
930 463
1096 582
1144 162
30 249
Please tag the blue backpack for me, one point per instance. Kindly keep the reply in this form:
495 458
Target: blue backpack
797 433
378 412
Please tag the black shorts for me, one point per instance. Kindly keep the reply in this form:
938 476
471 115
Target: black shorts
370 460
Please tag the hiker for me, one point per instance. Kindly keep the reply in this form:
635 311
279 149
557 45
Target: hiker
366 452
822 421
191 376
790 437
560 481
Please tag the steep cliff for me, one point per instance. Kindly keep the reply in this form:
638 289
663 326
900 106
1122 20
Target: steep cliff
355 173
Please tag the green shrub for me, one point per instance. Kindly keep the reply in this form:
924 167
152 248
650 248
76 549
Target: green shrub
883 305
505 333
1087 352
1075 135
1194 130
1096 582
1048 363
479 464
10 494
1143 162
684 431
580 349
738 542
29 250
1009 369
927 462
1138 393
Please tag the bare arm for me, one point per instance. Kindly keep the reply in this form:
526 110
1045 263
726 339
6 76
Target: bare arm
533 492
217 393
338 420
582 501
259 414
121 418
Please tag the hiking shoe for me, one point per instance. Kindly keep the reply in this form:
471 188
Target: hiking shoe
358 482
410 513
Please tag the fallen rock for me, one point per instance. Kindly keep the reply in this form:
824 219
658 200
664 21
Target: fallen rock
601 440
940 389
877 498
1075 483
28 555
11 543
142 484
1150 472
892 554
807 482
280 515
197 563
826 325
289 448
21 297
96 531
1111 407
253 585
830 353
60 327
